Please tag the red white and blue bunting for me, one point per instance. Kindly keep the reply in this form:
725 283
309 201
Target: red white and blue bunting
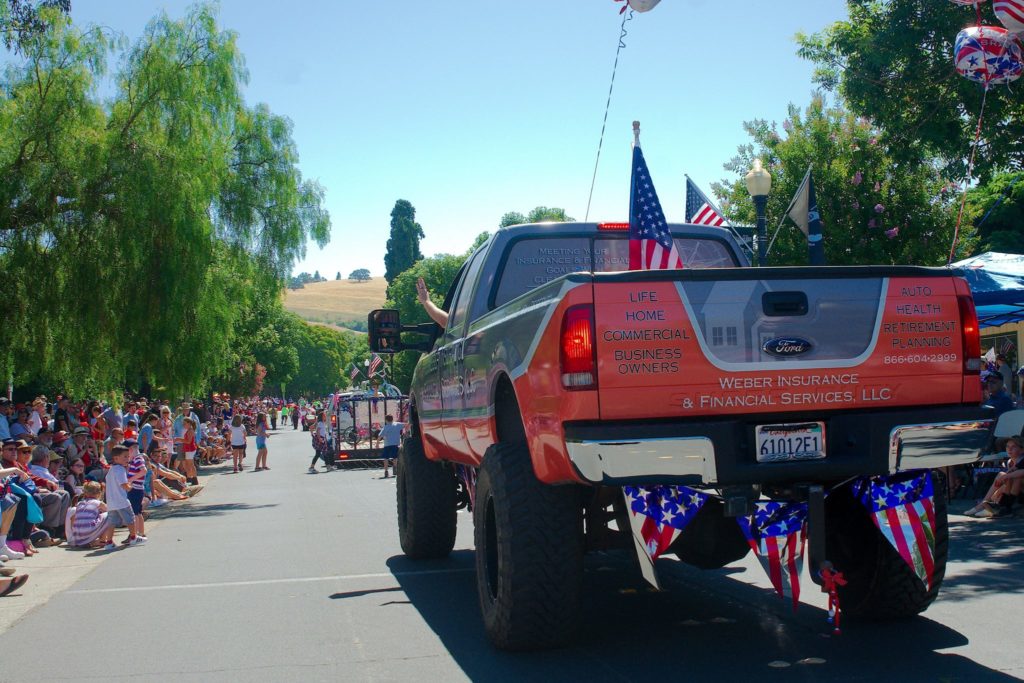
903 509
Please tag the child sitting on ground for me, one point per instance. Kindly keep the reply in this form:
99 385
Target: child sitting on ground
1005 490
88 527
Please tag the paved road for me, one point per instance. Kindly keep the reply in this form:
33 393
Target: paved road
282 575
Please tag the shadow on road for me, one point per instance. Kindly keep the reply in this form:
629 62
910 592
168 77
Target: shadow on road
210 510
370 591
706 625
993 555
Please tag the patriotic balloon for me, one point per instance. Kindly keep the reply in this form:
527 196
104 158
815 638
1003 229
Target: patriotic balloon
638 5
987 55
1010 14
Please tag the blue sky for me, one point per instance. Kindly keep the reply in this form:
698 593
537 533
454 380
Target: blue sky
470 110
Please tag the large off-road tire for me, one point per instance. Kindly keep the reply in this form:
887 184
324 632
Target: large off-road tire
529 553
880 585
426 503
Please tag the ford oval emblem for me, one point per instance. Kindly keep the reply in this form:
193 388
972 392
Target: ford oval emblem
787 346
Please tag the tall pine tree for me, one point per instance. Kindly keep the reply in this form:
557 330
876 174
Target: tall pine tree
404 243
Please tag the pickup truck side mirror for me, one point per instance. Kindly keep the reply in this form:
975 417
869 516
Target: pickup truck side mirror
385 332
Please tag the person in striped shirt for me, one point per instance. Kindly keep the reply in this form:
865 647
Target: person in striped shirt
88 524
137 478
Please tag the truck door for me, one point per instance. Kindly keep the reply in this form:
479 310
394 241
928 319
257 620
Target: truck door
451 357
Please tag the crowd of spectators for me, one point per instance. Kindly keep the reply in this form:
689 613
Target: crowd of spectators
73 472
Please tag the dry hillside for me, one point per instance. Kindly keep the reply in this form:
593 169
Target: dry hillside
336 302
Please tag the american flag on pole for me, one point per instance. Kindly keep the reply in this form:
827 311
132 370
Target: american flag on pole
651 246
699 210
663 511
354 372
904 511
375 363
777 532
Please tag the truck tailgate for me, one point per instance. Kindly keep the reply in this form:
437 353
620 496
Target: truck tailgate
776 340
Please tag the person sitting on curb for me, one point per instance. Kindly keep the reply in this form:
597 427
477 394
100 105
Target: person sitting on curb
87 521
8 586
997 399
1006 488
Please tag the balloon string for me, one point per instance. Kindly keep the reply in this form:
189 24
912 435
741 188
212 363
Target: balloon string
967 180
628 16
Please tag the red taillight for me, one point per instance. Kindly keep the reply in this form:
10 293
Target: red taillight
578 354
971 334
613 226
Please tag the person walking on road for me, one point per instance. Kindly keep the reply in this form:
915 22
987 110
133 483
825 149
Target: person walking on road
261 442
320 443
391 434
237 441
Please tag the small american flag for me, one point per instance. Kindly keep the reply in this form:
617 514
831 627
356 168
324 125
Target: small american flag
659 513
651 246
699 209
354 372
904 511
777 532
375 363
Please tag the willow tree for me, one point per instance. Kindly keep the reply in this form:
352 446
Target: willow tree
133 233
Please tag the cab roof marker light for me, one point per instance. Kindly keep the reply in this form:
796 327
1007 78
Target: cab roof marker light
613 226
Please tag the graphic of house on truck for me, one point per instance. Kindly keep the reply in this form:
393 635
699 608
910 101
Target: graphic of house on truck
732 319
699 413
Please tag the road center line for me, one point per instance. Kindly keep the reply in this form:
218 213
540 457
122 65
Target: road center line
266 582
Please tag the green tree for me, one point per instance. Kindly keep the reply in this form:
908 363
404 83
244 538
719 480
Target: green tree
403 248
438 272
1002 199
338 276
512 218
892 63
20 19
874 209
134 234
542 214
324 354
360 275
539 214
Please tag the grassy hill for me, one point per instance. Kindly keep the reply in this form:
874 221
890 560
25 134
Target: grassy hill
336 302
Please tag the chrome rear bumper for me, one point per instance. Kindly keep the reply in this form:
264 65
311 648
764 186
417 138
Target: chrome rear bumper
644 459
924 446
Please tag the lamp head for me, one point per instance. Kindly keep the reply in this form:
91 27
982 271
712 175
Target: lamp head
759 181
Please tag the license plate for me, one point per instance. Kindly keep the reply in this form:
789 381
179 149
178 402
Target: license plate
788 442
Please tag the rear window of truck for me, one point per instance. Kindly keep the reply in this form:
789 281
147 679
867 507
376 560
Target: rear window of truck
533 262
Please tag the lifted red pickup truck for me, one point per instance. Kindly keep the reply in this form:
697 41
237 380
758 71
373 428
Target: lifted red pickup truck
562 378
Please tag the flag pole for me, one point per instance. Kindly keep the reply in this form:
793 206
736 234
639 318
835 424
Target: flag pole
785 214
735 234
636 133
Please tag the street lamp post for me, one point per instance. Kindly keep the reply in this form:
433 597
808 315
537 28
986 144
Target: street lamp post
759 184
